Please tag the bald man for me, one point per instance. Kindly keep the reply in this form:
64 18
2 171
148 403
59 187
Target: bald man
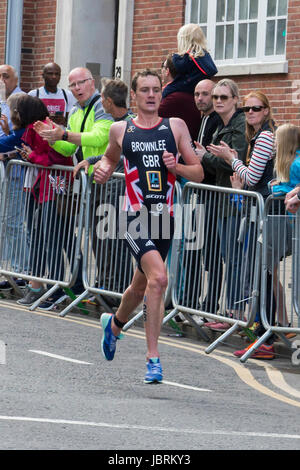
210 119
59 102
93 138
9 76
211 251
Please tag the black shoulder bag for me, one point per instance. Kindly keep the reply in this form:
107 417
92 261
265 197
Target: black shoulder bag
78 153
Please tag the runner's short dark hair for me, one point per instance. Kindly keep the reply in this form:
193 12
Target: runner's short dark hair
144 73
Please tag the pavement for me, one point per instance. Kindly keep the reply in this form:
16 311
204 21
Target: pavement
204 335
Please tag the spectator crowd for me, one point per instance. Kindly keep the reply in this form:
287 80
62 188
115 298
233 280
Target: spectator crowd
237 142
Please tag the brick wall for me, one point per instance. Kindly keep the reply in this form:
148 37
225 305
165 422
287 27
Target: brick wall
3 4
154 35
156 23
38 41
155 27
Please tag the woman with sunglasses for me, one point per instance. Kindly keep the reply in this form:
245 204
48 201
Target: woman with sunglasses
260 134
260 129
231 130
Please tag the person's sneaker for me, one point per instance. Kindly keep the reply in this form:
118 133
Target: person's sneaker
5 285
265 351
31 296
154 371
57 298
220 326
108 342
208 324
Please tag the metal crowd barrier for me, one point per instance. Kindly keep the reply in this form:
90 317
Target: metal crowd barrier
218 265
107 262
233 255
108 266
280 299
41 225
171 262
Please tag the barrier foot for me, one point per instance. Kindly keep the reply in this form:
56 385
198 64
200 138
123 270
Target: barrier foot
284 339
198 328
256 345
78 299
221 338
101 300
72 296
133 320
169 319
170 315
44 297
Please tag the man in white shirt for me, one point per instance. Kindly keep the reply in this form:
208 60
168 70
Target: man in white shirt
59 102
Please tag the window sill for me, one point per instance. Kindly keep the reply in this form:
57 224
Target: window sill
252 69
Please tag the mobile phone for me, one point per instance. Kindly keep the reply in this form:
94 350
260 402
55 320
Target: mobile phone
18 149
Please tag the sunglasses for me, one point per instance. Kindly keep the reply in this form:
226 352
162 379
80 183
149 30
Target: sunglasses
221 97
255 109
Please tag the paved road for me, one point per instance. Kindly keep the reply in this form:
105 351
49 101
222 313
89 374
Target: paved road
57 392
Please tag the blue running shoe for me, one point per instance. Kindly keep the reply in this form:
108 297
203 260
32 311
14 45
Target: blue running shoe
154 371
108 342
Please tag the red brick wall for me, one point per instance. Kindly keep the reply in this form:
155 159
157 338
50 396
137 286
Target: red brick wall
281 89
38 40
155 27
3 4
156 23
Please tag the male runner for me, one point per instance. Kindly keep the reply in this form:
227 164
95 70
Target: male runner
150 145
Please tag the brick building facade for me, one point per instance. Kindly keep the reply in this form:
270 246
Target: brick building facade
154 30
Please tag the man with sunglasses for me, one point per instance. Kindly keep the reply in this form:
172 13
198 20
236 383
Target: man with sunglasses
179 103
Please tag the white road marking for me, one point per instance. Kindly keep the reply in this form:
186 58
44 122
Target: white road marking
174 384
56 356
151 429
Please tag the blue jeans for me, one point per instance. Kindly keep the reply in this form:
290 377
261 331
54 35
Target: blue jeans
15 247
48 241
46 249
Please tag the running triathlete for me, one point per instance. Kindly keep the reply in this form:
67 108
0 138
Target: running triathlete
151 146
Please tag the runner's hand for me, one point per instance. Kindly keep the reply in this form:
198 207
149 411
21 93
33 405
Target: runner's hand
170 161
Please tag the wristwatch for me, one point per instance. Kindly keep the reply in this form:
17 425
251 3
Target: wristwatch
65 135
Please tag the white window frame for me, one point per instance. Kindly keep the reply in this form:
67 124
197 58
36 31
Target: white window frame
262 63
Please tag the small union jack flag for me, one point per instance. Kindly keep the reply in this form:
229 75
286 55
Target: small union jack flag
58 184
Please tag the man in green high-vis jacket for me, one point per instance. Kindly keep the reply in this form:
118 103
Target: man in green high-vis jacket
93 138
